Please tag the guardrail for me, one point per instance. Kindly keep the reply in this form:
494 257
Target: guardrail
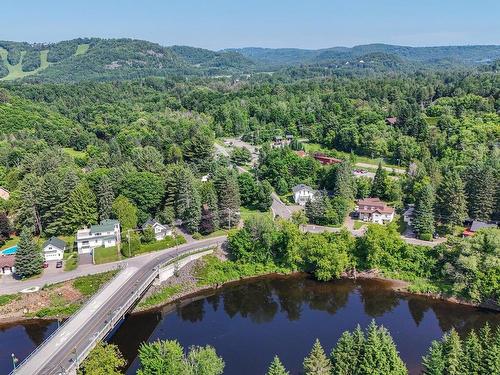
124 308
71 318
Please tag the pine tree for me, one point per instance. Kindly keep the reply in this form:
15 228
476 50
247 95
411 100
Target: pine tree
344 356
380 182
434 361
80 210
480 190
207 221
277 368
187 204
317 363
228 192
28 211
451 205
105 198
28 258
344 185
423 223
453 353
473 354
208 196
490 343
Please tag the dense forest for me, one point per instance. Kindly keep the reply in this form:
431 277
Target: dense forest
95 59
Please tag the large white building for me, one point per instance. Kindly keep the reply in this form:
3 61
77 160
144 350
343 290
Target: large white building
374 210
303 194
106 234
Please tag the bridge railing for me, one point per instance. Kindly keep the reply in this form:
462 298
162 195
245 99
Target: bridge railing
124 308
71 318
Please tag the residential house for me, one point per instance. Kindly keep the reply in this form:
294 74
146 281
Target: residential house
374 210
161 230
475 226
53 249
301 153
303 194
4 193
106 234
279 141
408 214
7 264
326 160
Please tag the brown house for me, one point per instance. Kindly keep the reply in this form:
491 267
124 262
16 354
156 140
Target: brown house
391 120
326 160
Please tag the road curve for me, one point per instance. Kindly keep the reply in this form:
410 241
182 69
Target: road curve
58 352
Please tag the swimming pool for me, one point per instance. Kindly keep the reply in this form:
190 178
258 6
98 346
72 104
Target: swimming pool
9 250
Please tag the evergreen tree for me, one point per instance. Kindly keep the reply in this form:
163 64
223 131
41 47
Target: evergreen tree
187 204
380 183
490 344
480 188
344 184
5 227
263 197
105 197
453 353
207 220
434 361
473 354
28 209
277 368
451 206
28 258
226 184
317 363
317 209
208 197
52 199
423 223
344 357
80 210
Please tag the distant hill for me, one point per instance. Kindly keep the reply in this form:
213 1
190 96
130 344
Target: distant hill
94 59
112 59
465 55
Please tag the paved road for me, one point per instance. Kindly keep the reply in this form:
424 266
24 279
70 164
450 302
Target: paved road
80 330
281 209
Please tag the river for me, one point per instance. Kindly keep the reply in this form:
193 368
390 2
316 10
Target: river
250 321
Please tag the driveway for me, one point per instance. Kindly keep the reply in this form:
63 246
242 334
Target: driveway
281 209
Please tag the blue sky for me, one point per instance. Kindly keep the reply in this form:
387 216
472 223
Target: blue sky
217 24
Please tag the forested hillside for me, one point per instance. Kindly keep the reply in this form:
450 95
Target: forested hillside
93 59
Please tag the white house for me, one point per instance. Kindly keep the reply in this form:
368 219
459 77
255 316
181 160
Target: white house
408 214
106 234
161 231
7 264
374 210
53 249
303 194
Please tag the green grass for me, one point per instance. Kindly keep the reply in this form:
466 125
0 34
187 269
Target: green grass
247 213
106 255
166 243
358 224
88 285
13 241
57 308
16 71
81 49
75 154
160 296
219 232
7 298
316 147
287 199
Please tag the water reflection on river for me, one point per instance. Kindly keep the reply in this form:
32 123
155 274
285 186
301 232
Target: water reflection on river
251 321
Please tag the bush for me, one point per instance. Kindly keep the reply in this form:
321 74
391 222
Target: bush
160 245
88 285
425 236
197 236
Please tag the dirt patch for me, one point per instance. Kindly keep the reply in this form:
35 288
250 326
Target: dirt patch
30 303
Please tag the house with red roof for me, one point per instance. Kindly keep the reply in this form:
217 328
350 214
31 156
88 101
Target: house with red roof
7 264
374 210
326 160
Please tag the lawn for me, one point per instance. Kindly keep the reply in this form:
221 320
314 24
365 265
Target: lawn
161 296
13 241
82 48
158 245
316 147
74 153
219 232
247 213
106 255
358 224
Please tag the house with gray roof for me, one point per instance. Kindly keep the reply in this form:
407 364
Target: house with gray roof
303 194
104 234
161 230
53 249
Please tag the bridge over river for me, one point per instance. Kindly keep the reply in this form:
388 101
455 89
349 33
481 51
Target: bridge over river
68 346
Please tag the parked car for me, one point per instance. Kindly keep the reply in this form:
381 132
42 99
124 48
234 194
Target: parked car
59 264
45 264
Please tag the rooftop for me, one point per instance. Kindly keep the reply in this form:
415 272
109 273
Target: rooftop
477 225
54 241
302 187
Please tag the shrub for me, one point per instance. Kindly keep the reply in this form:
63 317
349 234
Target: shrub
425 236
